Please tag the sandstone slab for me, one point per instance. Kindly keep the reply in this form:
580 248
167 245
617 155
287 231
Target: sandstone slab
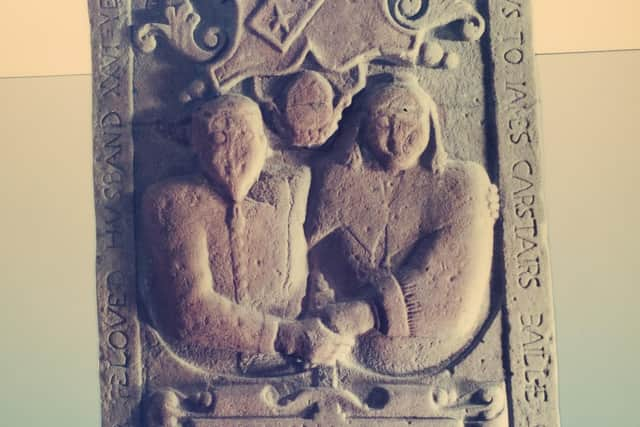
320 212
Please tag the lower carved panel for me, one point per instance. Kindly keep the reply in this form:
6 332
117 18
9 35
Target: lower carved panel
296 423
390 405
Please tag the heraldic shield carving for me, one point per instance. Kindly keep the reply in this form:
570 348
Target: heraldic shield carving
319 212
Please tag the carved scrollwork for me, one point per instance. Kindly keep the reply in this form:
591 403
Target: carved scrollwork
433 14
408 10
285 33
170 408
182 22
484 406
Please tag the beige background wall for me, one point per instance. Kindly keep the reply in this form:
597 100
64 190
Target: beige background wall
591 106
591 128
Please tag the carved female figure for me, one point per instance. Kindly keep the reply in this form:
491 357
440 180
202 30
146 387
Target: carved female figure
414 231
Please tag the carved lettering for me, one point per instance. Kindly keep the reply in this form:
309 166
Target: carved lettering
526 231
112 54
520 124
512 9
518 90
113 178
117 336
530 338
514 56
535 358
111 71
119 348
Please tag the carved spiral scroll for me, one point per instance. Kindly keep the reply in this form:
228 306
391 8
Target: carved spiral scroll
410 10
427 15
179 30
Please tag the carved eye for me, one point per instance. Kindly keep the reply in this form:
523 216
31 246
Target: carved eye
383 122
408 109
219 137
219 124
247 135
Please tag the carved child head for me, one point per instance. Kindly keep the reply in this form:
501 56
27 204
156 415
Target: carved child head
399 123
228 136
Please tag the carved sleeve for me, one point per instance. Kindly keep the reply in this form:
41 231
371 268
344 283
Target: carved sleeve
190 309
445 279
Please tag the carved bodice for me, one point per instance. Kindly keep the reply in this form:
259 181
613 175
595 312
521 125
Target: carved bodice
402 209
433 232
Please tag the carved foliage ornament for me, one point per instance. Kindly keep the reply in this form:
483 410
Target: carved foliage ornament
281 22
293 36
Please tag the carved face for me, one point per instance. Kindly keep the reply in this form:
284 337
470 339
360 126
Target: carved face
232 147
397 127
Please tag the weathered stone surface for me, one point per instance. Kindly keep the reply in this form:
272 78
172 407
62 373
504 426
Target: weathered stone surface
320 212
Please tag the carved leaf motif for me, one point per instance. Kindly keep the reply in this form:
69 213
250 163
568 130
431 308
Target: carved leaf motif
487 403
428 15
179 30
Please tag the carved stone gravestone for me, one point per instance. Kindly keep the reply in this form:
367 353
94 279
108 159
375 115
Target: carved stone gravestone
320 213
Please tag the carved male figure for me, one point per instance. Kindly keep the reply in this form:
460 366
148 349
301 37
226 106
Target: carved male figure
400 226
227 244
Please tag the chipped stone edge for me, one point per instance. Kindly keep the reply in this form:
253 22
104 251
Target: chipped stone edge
531 367
119 348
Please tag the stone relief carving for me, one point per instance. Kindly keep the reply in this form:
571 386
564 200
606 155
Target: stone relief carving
324 250
399 238
477 406
228 246
422 254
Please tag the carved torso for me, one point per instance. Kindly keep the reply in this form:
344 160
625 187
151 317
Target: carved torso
401 208
190 210
432 231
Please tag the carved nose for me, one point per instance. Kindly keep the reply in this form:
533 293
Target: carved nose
392 145
397 137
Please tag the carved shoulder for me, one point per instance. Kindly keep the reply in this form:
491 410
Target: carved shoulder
296 178
471 175
469 190
178 202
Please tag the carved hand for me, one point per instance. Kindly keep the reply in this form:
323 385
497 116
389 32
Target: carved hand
312 341
391 300
493 198
349 318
